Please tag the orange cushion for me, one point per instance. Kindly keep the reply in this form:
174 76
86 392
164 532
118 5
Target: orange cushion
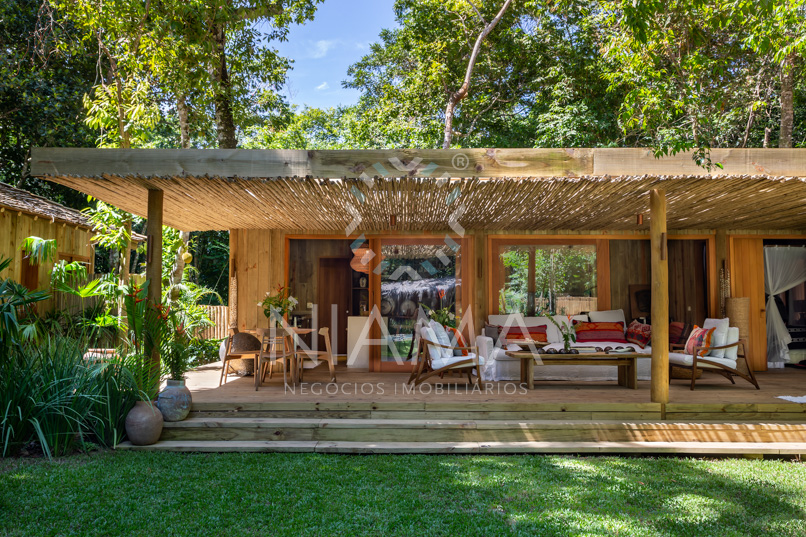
601 332
535 333
457 337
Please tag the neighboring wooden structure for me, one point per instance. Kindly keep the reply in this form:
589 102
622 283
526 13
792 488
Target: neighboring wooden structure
479 196
23 215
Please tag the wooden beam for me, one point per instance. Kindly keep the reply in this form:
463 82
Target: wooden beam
660 297
517 162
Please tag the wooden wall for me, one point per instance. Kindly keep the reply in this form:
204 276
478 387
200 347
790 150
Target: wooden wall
687 281
70 241
629 265
257 257
747 280
303 265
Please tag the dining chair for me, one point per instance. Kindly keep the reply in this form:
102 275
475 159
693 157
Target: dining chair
274 349
317 356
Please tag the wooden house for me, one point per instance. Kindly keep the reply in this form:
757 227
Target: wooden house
23 215
331 224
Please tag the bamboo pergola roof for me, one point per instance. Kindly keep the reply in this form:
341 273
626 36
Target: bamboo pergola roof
556 198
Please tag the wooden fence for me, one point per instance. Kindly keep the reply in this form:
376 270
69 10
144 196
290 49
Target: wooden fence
570 305
220 317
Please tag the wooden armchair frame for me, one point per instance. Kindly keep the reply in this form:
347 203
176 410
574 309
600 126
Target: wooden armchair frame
743 368
423 368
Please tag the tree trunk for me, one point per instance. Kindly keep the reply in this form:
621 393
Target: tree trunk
184 125
225 123
125 256
787 107
461 93
179 263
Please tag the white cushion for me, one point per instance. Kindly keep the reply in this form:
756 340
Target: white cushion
442 338
510 319
686 359
609 316
442 362
732 337
719 336
552 332
428 334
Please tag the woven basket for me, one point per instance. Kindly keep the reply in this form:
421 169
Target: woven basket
738 311
680 373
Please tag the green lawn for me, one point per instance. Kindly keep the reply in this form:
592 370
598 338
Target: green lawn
308 494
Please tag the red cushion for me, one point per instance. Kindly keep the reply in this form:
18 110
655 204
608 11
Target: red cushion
590 332
679 332
639 333
700 337
535 333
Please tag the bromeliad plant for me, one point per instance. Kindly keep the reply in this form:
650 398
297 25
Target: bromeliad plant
567 331
278 303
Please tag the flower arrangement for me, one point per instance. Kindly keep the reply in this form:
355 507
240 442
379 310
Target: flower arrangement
567 331
443 316
278 303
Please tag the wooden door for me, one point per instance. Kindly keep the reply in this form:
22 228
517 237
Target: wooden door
334 287
747 280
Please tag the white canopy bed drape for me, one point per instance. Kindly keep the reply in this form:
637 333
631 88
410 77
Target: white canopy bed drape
784 268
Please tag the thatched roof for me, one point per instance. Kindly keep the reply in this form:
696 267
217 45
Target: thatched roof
16 199
579 189
23 201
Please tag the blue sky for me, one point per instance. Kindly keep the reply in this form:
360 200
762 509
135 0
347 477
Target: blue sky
323 49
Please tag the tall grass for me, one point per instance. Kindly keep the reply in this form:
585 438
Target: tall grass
51 394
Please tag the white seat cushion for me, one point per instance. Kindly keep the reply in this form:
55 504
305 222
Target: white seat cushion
429 335
719 337
608 316
443 339
442 362
686 359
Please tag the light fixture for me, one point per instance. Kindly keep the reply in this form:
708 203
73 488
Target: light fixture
639 219
360 260
393 220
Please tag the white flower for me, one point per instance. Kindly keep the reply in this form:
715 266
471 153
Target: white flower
293 301
451 316
260 303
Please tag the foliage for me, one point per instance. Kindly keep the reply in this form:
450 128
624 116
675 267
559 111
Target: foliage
520 495
109 225
42 81
175 345
39 250
444 316
50 393
567 331
276 304
15 299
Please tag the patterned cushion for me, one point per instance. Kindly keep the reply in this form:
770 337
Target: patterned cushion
700 337
537 333
590 332
457 341
678 333
639 333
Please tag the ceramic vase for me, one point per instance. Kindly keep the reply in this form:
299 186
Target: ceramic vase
174 401
144 424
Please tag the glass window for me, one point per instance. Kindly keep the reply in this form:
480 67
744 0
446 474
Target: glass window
547 279
415 275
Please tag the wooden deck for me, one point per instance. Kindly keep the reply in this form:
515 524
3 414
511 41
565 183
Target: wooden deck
379 413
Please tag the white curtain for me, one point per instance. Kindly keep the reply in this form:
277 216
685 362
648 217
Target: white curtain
784 268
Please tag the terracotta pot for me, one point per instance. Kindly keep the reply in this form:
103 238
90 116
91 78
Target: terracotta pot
144 424
174 401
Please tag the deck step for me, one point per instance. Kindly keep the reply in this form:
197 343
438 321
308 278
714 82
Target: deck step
273 430
344 447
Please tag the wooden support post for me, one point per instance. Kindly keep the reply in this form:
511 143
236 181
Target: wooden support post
660 297
154 257
530 284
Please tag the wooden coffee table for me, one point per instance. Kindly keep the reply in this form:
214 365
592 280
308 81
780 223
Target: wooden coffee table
625 361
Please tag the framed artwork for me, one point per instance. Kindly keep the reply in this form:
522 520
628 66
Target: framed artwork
640 301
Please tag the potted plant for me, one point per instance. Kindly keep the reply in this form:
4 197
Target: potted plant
567 331
277 304
174 400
